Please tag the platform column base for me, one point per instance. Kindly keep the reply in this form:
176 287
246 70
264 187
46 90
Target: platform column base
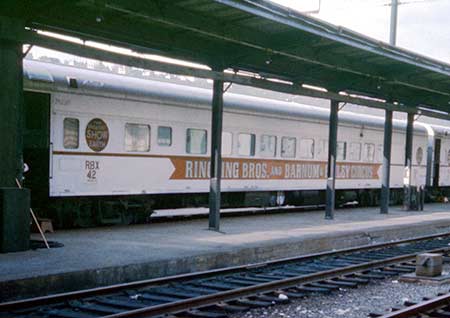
14 220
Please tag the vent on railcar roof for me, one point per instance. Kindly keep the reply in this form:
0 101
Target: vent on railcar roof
72 82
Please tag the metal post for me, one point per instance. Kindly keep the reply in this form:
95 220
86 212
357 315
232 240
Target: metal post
430 147
394 17
385 186
14 201
429 173
11 100
408 163
331 167
216 156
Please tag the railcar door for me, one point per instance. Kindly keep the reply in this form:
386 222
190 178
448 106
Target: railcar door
436 162
36 144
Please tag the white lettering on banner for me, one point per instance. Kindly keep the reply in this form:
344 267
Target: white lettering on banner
270 169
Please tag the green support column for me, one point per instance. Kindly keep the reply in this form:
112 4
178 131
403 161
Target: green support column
387 146
331 166
11 100
14 202
408 163
216 156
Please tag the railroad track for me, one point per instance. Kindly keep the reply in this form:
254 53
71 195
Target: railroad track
217 293
429 307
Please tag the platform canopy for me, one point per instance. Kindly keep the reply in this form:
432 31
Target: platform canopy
250 35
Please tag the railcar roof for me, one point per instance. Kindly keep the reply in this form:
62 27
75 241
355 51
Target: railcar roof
45 75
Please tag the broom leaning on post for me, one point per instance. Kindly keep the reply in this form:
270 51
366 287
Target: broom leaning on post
35 219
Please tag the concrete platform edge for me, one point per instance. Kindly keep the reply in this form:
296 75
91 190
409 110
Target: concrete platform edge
76 280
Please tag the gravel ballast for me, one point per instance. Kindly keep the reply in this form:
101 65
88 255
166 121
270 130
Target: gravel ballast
378 296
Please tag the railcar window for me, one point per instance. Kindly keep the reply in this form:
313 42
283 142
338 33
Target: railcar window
369 152
419 155
448 157
288 147
137 137
227 143
341 150
196 141
246 144
164 136
268 146
322 149
355 151
71 133
307 148
380 154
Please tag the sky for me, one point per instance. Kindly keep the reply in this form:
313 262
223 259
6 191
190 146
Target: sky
423 25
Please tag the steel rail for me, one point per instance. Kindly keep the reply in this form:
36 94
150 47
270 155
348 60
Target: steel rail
212 299
420 308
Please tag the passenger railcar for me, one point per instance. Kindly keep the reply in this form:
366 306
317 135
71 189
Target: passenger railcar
105 148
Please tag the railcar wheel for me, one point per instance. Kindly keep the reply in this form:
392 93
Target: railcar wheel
109 212
364 198
84 214
281 197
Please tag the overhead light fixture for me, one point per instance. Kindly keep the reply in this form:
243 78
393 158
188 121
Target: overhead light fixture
315 88
432 110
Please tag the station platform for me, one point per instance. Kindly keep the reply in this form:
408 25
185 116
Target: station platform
110 255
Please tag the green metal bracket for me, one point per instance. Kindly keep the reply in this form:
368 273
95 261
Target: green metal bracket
11 29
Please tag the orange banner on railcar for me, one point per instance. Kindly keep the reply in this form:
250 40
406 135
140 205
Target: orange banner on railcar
198 168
